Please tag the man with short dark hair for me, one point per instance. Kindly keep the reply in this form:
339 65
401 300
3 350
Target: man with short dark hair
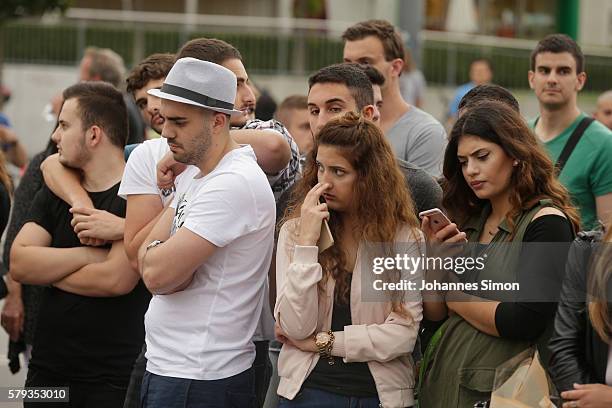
337 89
341 88
416 136
148 74
206 258
556 76
90 326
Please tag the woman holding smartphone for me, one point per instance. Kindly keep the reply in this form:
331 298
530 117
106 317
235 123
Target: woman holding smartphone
500 189
338 348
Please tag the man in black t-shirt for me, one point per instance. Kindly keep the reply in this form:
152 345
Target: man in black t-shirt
90 327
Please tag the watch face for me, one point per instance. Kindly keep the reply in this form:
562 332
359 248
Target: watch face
322 338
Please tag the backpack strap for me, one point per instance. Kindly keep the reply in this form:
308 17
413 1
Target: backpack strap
571 143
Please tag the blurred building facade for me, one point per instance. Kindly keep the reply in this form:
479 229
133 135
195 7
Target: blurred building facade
588 20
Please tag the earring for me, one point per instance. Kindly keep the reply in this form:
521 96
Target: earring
516 163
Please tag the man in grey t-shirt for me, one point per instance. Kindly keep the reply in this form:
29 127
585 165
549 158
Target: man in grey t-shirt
415 136
420 139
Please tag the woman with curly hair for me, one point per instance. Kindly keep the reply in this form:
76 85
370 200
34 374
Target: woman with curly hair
502 192
338 347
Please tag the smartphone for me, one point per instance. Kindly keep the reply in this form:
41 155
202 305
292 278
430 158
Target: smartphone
437 219
326 239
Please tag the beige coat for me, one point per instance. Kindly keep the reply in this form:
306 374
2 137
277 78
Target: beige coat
382 338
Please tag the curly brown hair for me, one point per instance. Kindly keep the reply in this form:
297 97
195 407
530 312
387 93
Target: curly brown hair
155 66
384 203
533 179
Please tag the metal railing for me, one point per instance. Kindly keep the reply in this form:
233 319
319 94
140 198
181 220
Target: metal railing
447 57
268 45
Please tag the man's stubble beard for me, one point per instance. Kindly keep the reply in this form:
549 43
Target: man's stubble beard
555 106
82 158
198 150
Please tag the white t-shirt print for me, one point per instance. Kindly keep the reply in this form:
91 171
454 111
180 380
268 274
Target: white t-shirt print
205 331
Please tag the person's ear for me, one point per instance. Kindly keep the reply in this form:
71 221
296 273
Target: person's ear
530 76
220 121
368 112
580 81
93 136
397 65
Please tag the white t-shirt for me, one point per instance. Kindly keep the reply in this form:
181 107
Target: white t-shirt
205 331
140 175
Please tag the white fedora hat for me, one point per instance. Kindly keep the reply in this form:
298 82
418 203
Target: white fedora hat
200 83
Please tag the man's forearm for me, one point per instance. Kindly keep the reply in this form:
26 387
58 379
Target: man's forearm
103 279
271 149
153 260
113 276
161 228
43 265
154 263
137 240
64 182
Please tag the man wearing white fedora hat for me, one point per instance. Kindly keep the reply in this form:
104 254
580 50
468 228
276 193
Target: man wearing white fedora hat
263 137
199 259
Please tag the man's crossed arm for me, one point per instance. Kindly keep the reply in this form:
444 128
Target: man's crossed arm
84 270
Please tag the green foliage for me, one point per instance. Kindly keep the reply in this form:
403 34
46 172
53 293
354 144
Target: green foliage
10 9
33 43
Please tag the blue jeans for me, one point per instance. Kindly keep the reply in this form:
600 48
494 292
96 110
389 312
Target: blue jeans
313 398
170 392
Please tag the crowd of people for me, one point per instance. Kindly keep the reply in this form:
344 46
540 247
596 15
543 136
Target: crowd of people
211 255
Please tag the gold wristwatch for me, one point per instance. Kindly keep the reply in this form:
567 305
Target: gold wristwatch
324 342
